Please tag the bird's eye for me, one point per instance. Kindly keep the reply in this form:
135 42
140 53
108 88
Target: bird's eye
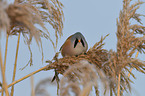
82 43
76 41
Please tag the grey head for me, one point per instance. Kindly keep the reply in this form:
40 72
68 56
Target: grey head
75 40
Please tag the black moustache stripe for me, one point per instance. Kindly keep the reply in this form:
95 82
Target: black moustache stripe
82 43
76 42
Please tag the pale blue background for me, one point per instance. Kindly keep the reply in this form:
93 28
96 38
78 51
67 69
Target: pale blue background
94 18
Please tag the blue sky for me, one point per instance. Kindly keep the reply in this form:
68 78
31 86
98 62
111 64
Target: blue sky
93 18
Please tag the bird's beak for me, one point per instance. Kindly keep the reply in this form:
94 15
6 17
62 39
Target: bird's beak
79 40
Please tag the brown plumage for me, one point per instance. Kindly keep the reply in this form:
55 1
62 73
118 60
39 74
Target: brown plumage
74 45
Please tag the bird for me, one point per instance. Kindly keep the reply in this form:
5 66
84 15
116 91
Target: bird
74 45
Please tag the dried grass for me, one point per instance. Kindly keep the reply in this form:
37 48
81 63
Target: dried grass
32 86
24 16
83 72
81 75
40 89
4 83
5 58
4 23
113 64
106 62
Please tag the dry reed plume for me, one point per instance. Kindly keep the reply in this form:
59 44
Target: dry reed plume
24 17
41 87
84 72
114 65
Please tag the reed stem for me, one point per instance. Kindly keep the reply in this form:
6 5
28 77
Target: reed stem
4 84
15 65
